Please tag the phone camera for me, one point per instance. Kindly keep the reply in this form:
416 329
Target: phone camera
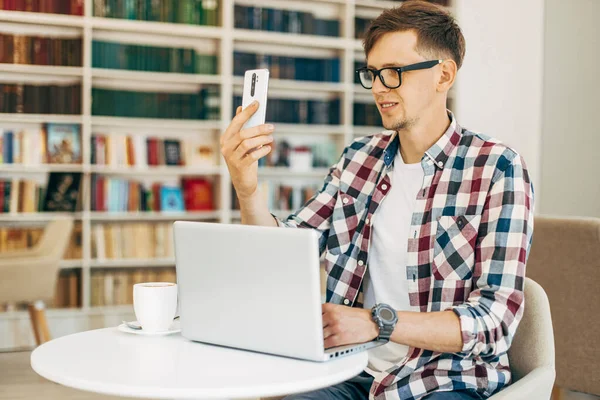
253 85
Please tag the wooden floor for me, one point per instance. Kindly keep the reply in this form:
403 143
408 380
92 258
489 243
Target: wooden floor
19 382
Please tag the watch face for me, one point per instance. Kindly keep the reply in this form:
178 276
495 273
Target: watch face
386 314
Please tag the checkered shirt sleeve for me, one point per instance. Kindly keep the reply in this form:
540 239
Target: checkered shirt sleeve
490 316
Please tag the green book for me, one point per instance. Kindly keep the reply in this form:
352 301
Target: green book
188 57
164 59
172 11
210 16
164 11
130 8
141 9
117 9
199 13
181 9
95 49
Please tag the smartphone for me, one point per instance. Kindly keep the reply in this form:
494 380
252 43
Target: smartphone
256 85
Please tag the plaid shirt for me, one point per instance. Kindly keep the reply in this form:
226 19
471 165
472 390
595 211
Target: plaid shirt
471 233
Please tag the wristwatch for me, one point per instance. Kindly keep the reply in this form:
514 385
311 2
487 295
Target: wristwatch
386 318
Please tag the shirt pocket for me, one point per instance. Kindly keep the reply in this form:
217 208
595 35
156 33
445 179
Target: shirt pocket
454 247
346 218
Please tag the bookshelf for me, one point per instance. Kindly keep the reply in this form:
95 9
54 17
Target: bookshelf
222 40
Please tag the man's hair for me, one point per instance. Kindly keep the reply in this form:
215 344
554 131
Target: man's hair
438 34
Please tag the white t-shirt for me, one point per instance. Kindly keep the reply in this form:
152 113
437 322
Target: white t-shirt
385 280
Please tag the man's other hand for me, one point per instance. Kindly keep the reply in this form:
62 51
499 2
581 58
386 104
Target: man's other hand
344 325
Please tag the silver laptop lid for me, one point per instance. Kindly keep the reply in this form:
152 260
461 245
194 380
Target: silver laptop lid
248 287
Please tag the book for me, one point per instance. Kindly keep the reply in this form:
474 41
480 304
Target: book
62 193
150 240
20 195
294 111
268 19
39 50
74 290
25 146
63 143
296 68
152 58
120 103
171 199
172 152
40 98
366 114
280 196
197 194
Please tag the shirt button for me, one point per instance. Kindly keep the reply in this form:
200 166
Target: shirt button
367 221
384 187
345 200
440 164
346 301
361 262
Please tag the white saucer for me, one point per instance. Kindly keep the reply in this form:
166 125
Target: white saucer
175 328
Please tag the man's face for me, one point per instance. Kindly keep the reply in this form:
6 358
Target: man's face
401 108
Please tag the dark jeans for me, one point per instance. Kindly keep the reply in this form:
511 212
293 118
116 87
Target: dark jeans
358 388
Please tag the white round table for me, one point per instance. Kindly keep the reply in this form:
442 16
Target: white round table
171 367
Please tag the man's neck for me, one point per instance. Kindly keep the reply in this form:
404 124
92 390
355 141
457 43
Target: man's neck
416 140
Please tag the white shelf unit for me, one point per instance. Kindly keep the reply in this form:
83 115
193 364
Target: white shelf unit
224 38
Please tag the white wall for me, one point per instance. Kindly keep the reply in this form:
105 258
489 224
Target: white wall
499 87
571 140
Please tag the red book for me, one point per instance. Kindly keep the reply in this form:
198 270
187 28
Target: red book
100 194
45 6
197 194
77 7
19 5
152 145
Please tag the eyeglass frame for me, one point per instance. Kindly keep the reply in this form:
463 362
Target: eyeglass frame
412 67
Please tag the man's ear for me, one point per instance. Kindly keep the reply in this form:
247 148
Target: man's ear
447 76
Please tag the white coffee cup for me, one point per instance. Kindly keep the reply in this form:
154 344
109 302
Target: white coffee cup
155 305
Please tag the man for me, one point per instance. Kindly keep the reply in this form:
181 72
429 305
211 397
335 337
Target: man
432 220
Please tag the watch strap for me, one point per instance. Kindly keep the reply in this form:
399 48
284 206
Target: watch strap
385 333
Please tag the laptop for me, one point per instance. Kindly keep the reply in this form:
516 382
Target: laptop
253 288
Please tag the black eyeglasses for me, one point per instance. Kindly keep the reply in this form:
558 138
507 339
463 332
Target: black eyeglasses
391 77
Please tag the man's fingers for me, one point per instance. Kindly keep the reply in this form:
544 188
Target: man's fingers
241 116
331 341
230 144
258 130
249 144
329 331
240 119
330 318
255 155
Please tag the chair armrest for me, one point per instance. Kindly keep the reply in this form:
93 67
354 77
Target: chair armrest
536 385
31 252
25 260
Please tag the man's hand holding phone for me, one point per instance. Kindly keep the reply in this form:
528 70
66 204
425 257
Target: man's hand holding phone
242 148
